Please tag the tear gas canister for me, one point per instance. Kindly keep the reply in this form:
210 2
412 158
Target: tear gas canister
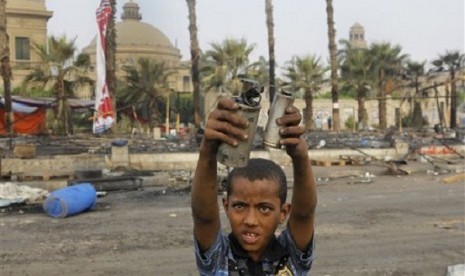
281 101
249 108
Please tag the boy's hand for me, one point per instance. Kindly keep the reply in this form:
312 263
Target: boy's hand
224 125
291 133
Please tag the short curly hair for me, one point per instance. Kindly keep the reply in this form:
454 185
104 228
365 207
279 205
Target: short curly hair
257 169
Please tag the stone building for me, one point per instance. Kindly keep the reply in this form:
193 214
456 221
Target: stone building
136 39
357 36
26 25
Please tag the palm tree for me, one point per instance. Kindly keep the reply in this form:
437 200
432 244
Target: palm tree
305 74
334 64
451 61
5 69
195 59
228 61
414 71
56 65
387 64
259 70
146 86
356 74
271 55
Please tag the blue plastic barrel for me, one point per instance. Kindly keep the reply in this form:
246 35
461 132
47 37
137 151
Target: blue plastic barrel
70 200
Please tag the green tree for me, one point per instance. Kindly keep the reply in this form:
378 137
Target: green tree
355 72
334 64
5 68
195 60
387 64
146 85
227 61
307 74
451 61
57 70
259 70
413 75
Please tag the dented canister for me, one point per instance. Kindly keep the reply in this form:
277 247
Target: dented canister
281 101
239 156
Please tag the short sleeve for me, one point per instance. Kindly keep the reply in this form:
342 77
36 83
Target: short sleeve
301 260
212 261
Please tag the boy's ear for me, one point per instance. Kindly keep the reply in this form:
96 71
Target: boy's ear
285 210
225 204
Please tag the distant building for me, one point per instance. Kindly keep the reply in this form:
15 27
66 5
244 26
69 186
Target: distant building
26 25
357 36
136 39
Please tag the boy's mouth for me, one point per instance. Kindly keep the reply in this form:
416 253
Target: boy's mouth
249 237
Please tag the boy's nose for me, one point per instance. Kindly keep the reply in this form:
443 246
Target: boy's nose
251 218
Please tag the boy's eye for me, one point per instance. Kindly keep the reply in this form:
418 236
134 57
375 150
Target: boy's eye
264 209
238 206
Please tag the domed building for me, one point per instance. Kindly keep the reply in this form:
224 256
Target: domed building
136 39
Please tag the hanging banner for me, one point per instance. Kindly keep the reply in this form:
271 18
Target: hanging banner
103 116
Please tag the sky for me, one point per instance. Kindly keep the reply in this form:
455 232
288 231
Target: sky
423 28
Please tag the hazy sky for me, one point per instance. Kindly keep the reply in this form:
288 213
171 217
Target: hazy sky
424 28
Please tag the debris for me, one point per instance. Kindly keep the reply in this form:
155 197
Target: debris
328 162
456 270
12 193
25 151
454 178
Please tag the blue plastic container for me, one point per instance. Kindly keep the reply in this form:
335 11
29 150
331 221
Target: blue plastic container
70 200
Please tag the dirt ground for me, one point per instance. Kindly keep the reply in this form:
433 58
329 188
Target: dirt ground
380 225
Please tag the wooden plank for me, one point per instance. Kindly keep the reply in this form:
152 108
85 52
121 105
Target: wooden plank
454 178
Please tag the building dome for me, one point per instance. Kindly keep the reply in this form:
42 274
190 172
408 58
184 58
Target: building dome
140 33
135 39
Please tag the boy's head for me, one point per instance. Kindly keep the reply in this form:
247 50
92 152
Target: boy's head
256 204
257 169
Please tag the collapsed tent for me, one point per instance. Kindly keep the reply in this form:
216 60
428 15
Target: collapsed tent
30 113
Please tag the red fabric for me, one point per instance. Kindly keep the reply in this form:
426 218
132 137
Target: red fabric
33 123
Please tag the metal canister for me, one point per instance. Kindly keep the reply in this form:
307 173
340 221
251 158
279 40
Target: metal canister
239 156
281 101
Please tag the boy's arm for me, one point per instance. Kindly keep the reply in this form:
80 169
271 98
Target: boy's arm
223 125
304 195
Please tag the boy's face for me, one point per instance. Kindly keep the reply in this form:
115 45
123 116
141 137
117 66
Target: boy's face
254 211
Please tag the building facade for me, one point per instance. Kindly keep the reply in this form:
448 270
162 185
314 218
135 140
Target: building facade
26 26
136 39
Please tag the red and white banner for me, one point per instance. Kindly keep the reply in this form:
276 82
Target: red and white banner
103 117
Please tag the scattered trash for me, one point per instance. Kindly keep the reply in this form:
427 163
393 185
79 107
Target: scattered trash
454 178
456 270
11 193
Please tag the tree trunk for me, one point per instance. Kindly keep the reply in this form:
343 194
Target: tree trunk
453 100
382 101
308 115
271 55
62 112
334 63
195 57
417 116
5 68
362 120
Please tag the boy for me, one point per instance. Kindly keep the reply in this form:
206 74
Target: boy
255 203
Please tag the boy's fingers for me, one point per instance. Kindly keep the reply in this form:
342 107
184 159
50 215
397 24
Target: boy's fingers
227 104
292 131
292 116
